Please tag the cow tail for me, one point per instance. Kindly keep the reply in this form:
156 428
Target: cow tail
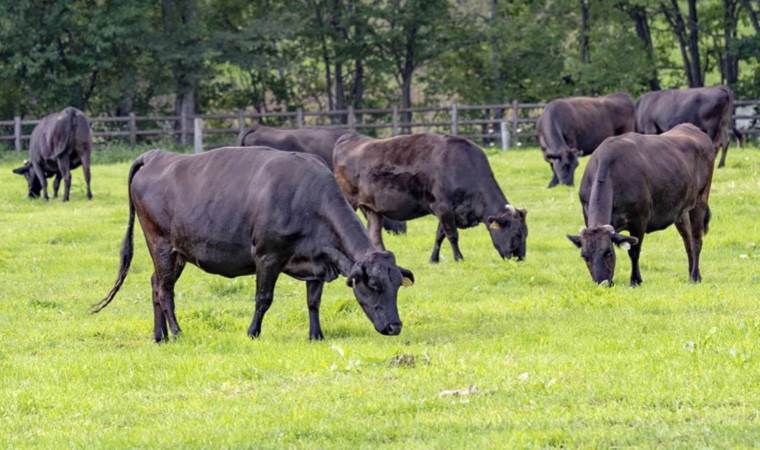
127 245
706 226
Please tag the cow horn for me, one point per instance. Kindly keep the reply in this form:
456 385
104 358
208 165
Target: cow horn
510 208
608 228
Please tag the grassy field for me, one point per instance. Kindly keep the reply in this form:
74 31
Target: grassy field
554 359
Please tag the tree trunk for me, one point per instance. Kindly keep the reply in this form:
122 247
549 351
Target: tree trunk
752 15
696 67
730 66
641 21
584 32
498 74
675 19
406 99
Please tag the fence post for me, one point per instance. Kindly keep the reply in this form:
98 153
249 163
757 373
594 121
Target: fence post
454 119
299 118
515 114
241 121
132 129
198 134
17 132
182 127
351 119
394 121
504 135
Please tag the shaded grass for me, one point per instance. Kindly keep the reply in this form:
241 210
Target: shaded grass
556 360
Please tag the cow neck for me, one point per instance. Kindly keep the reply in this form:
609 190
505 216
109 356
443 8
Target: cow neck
353 243
495 200
600 201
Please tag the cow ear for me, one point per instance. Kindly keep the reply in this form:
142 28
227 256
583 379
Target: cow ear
407 277
552 156
576 240
624 242
357 274
493 223
522 212
21 170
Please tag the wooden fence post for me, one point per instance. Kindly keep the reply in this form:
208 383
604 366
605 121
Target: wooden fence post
241 121
394 121
132 129
504 135
454 119
17 132
299 118
198 135
351 119
515 114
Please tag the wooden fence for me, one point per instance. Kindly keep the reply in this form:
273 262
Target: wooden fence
504 125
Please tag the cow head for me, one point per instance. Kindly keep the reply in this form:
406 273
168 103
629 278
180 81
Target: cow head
564 163
509 231
31 179
375 280
596 244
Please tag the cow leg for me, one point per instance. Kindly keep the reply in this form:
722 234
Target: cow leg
267 271
724 151
554 181
697 217
56 184
85 157
634 253
313 299
65 171
168 267
684 229
160 330
439 235
375 225
452 234
40 173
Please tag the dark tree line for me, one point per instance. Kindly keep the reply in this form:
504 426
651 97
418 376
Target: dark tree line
174 56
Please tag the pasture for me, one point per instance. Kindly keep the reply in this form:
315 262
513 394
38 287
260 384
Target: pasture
553 360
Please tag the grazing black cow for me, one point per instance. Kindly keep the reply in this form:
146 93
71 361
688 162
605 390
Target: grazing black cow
575 126
412 176
60 143
316 141
269 212
643 184
710 109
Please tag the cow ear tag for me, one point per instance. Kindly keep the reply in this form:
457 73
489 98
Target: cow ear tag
625 246
494 225
406 282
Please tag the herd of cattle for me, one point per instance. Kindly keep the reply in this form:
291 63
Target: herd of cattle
285 200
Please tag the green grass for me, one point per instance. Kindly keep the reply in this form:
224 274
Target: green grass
556 360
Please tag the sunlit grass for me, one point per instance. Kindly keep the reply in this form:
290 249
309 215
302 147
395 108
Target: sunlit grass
556 360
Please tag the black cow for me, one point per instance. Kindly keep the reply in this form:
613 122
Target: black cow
412 176
643 184
60 143
240 211
575 126
710 109
316 141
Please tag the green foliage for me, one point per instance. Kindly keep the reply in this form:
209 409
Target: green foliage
555 361
117 57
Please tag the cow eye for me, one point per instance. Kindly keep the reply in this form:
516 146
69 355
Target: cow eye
374 285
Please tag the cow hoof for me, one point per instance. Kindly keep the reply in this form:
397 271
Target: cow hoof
254 334
317 336
434 260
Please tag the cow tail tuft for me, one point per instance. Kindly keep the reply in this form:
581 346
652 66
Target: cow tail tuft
127 245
